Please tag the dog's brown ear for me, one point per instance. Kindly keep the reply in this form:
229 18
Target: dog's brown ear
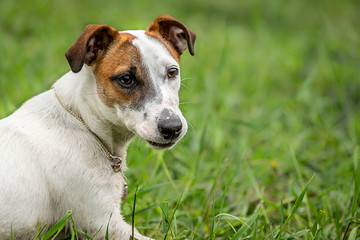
175 32
93 41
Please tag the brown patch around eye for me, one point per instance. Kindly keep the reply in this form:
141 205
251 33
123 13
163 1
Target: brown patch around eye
122 58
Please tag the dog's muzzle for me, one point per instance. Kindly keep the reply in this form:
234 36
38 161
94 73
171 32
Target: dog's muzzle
169 126
170 129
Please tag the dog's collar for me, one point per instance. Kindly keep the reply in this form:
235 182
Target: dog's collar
115 161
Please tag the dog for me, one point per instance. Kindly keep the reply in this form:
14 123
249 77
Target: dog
65 149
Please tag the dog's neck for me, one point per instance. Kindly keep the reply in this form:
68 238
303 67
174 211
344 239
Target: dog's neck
78 92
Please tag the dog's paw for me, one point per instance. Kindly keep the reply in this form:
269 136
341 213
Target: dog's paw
140 237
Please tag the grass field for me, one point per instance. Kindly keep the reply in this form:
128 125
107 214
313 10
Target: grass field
272 96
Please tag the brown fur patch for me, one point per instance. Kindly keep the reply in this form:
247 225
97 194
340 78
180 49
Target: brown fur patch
92 42
121 57
166 26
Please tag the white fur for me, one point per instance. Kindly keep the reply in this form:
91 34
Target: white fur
50 163
167 90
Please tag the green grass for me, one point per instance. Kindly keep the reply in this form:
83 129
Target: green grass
272 97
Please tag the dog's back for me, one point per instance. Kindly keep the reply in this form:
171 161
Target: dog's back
23 193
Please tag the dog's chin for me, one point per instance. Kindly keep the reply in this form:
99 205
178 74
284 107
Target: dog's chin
160 146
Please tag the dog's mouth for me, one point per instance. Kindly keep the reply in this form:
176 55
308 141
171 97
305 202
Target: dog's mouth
158 145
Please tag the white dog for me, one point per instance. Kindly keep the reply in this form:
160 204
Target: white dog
65 149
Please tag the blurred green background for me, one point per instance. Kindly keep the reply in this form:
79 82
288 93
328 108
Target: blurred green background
271 96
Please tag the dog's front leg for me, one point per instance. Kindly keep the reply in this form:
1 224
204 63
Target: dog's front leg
126 233
120 230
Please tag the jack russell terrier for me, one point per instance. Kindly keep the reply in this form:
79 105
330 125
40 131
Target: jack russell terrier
65 149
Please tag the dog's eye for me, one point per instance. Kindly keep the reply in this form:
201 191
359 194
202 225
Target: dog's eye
172 72
126 80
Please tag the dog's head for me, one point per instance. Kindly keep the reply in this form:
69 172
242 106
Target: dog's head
138 76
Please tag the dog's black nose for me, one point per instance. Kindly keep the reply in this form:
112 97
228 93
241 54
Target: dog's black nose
170 128
169 125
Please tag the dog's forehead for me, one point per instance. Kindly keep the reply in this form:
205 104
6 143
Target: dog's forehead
153 50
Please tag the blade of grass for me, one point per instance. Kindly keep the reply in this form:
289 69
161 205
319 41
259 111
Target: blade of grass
353 233
38 233
281 212
83 233
74 232
229 216
133 214
58 227
338 223
298 172
355 198
247 225
143 210
164 206
221 209
206 203
259 192
172 217
222 203
295 207
254 235
166 169
202 139
316 224
107 228
212 223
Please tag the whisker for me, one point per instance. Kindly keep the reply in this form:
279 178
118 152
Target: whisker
191 127
185 86
188 78
182 103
